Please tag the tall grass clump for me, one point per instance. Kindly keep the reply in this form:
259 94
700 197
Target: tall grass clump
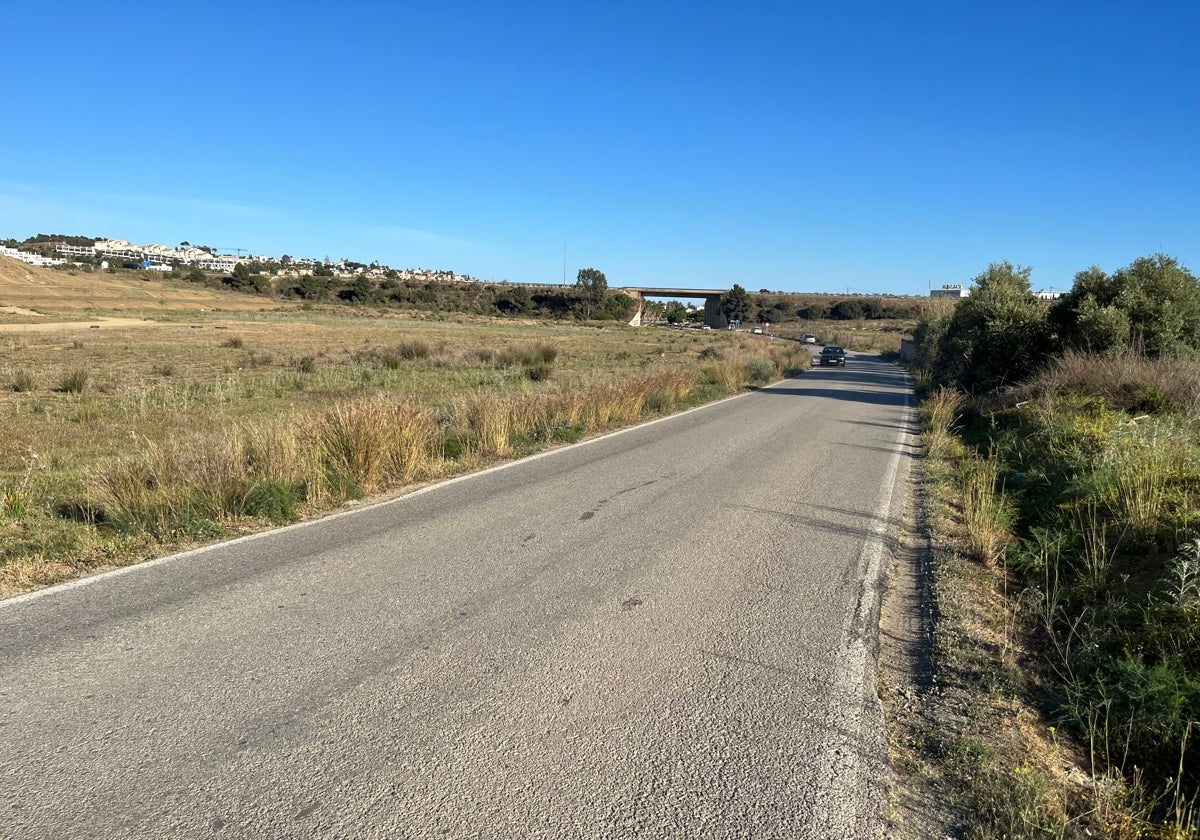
412 350
941 414
526 356
351 439
23 380
536 361
668 390
490 424
74 381
217 479
987 515
724 373
146 492
411 442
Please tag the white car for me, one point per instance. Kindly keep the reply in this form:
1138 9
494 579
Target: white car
808 338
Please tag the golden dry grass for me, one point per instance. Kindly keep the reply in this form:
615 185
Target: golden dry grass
31 295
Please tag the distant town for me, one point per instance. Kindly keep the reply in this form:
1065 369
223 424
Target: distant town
164 258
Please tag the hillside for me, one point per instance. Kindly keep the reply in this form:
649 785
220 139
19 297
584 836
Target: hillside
29 294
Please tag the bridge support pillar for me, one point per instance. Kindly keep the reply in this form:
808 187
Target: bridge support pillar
713 316
636 321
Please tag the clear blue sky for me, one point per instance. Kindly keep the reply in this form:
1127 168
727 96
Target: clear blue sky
803 146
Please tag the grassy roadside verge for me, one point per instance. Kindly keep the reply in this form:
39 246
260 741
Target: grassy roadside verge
122 445
1061 518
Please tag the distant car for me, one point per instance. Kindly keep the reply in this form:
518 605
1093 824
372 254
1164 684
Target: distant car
808 338
833 355
757 331
706 327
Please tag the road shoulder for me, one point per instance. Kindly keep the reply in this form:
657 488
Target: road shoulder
907 683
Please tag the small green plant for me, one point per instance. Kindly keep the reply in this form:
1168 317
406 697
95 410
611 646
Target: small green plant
14 501
306 364
272 499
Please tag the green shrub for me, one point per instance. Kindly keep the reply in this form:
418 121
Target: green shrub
274 500
760 370
567 432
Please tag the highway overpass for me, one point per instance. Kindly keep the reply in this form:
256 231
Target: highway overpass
713 316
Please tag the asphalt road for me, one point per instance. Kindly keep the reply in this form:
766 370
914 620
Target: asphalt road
662 633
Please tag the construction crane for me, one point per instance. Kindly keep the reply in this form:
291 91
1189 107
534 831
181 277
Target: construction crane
238 251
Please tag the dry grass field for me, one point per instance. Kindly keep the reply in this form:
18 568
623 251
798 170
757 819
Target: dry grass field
32 295
137 426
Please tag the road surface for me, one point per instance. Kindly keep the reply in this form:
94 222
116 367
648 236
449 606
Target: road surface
666 632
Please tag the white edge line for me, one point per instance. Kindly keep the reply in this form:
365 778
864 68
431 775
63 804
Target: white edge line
66 586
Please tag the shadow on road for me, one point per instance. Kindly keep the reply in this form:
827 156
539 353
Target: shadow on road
825 522
874 382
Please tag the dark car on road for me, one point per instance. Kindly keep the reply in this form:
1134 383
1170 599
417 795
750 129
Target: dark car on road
833 355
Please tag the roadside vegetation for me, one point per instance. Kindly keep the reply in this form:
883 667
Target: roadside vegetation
1063 469
121 444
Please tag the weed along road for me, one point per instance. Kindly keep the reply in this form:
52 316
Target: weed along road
666 632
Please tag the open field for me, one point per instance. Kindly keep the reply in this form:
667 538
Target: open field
163 429
867 336
29 294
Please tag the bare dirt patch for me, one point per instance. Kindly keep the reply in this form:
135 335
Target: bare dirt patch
54 325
